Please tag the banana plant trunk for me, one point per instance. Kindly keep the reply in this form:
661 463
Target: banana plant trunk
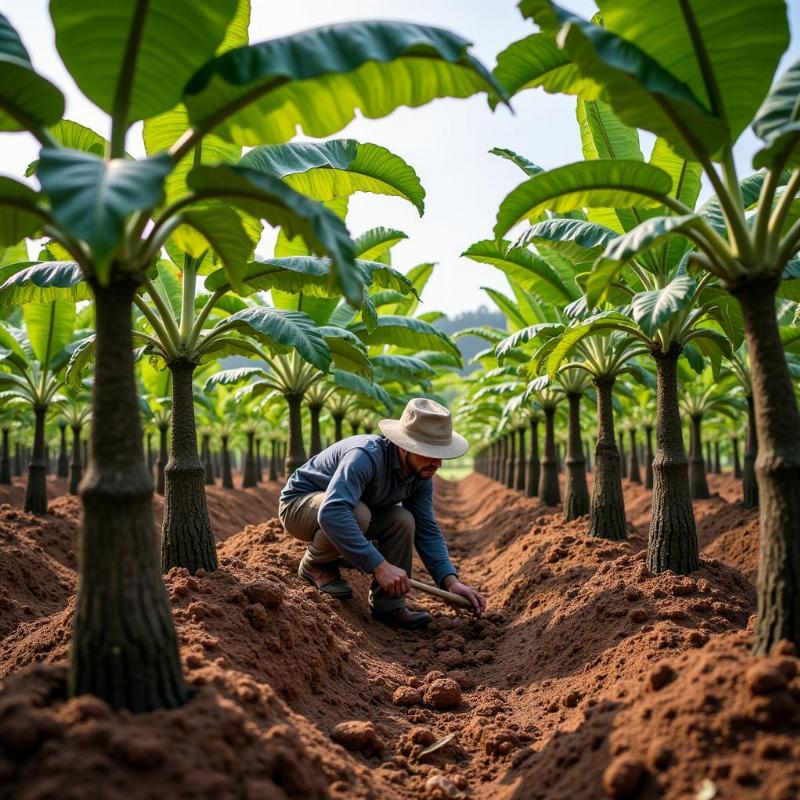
511 459
672 541
623 461
576 492
697 464
737 461
227 473
316 435
273 460
519 470
36 490
62 470
549 490
354 429
295 450
634 474
648 458
717 459
17 459
208 466
76 465
338 433
186 536
124 646
588 453
534 466
749 481
150 454
249 472
161 463
777 469
5 461
259 467
608 504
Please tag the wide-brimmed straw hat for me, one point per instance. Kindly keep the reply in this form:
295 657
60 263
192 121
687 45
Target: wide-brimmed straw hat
425 428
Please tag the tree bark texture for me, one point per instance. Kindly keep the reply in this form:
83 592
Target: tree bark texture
634 474
161 463
186 536
576 492
749 480
608 504
249 472
672 541
205 457
76 466
295 449
697 464
62 471
519 470
227 473
777 469
648 458
36 490
316 435
534 466
124 646
549 489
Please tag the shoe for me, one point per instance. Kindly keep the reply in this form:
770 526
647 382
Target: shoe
403 618
327 580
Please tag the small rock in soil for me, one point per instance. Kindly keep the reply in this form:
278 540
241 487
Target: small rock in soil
463 680
442 693
268 593
437 787
359 736
407 696
622 777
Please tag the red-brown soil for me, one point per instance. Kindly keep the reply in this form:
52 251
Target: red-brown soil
589 678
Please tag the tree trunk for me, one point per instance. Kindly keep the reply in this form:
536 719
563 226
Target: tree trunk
777 469
161 463
648 458
206 459
709 461
576 492
295 450
5 461
717 460
76 465
623 461
501 460
354 430
697 464
124 646
634 475
316 436
338 433
749 481
519 470
273 461
511 459
150 454
672 542
36 490
227 473
17 459
62 470
608 504
186 536
259 466
549 490
737 462
249 471
534 465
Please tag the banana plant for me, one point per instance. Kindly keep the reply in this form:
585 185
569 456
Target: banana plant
34 358
694 91
77 412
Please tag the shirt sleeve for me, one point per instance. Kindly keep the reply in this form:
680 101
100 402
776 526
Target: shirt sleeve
336 514
428 537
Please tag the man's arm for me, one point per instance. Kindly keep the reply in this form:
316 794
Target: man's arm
336 512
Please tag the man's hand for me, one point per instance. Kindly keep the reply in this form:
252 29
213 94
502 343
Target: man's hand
454 585
391 579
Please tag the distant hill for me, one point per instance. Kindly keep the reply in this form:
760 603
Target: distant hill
470 345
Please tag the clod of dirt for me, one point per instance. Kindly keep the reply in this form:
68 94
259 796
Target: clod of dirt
763 679
622 777
268 593
407 696
360 736
442 693
660 676
451 658
257 616
463 680
437 787
500 742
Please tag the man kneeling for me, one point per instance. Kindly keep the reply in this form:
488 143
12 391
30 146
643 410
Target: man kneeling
367 489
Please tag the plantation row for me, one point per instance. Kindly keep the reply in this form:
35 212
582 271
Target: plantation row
624 289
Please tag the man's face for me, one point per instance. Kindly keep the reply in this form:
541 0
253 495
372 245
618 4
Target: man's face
423 466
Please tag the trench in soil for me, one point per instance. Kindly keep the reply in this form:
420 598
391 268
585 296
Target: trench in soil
589 677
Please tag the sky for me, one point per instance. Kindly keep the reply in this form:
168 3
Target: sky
447 142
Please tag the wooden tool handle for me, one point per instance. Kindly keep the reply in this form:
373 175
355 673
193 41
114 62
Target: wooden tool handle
435 590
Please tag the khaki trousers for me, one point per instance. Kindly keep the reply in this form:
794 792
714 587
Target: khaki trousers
391 528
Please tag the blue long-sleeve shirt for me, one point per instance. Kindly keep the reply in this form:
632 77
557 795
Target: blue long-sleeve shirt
367 468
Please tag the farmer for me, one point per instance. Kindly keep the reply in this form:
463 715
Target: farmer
369 499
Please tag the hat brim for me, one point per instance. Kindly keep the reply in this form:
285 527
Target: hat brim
391 429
